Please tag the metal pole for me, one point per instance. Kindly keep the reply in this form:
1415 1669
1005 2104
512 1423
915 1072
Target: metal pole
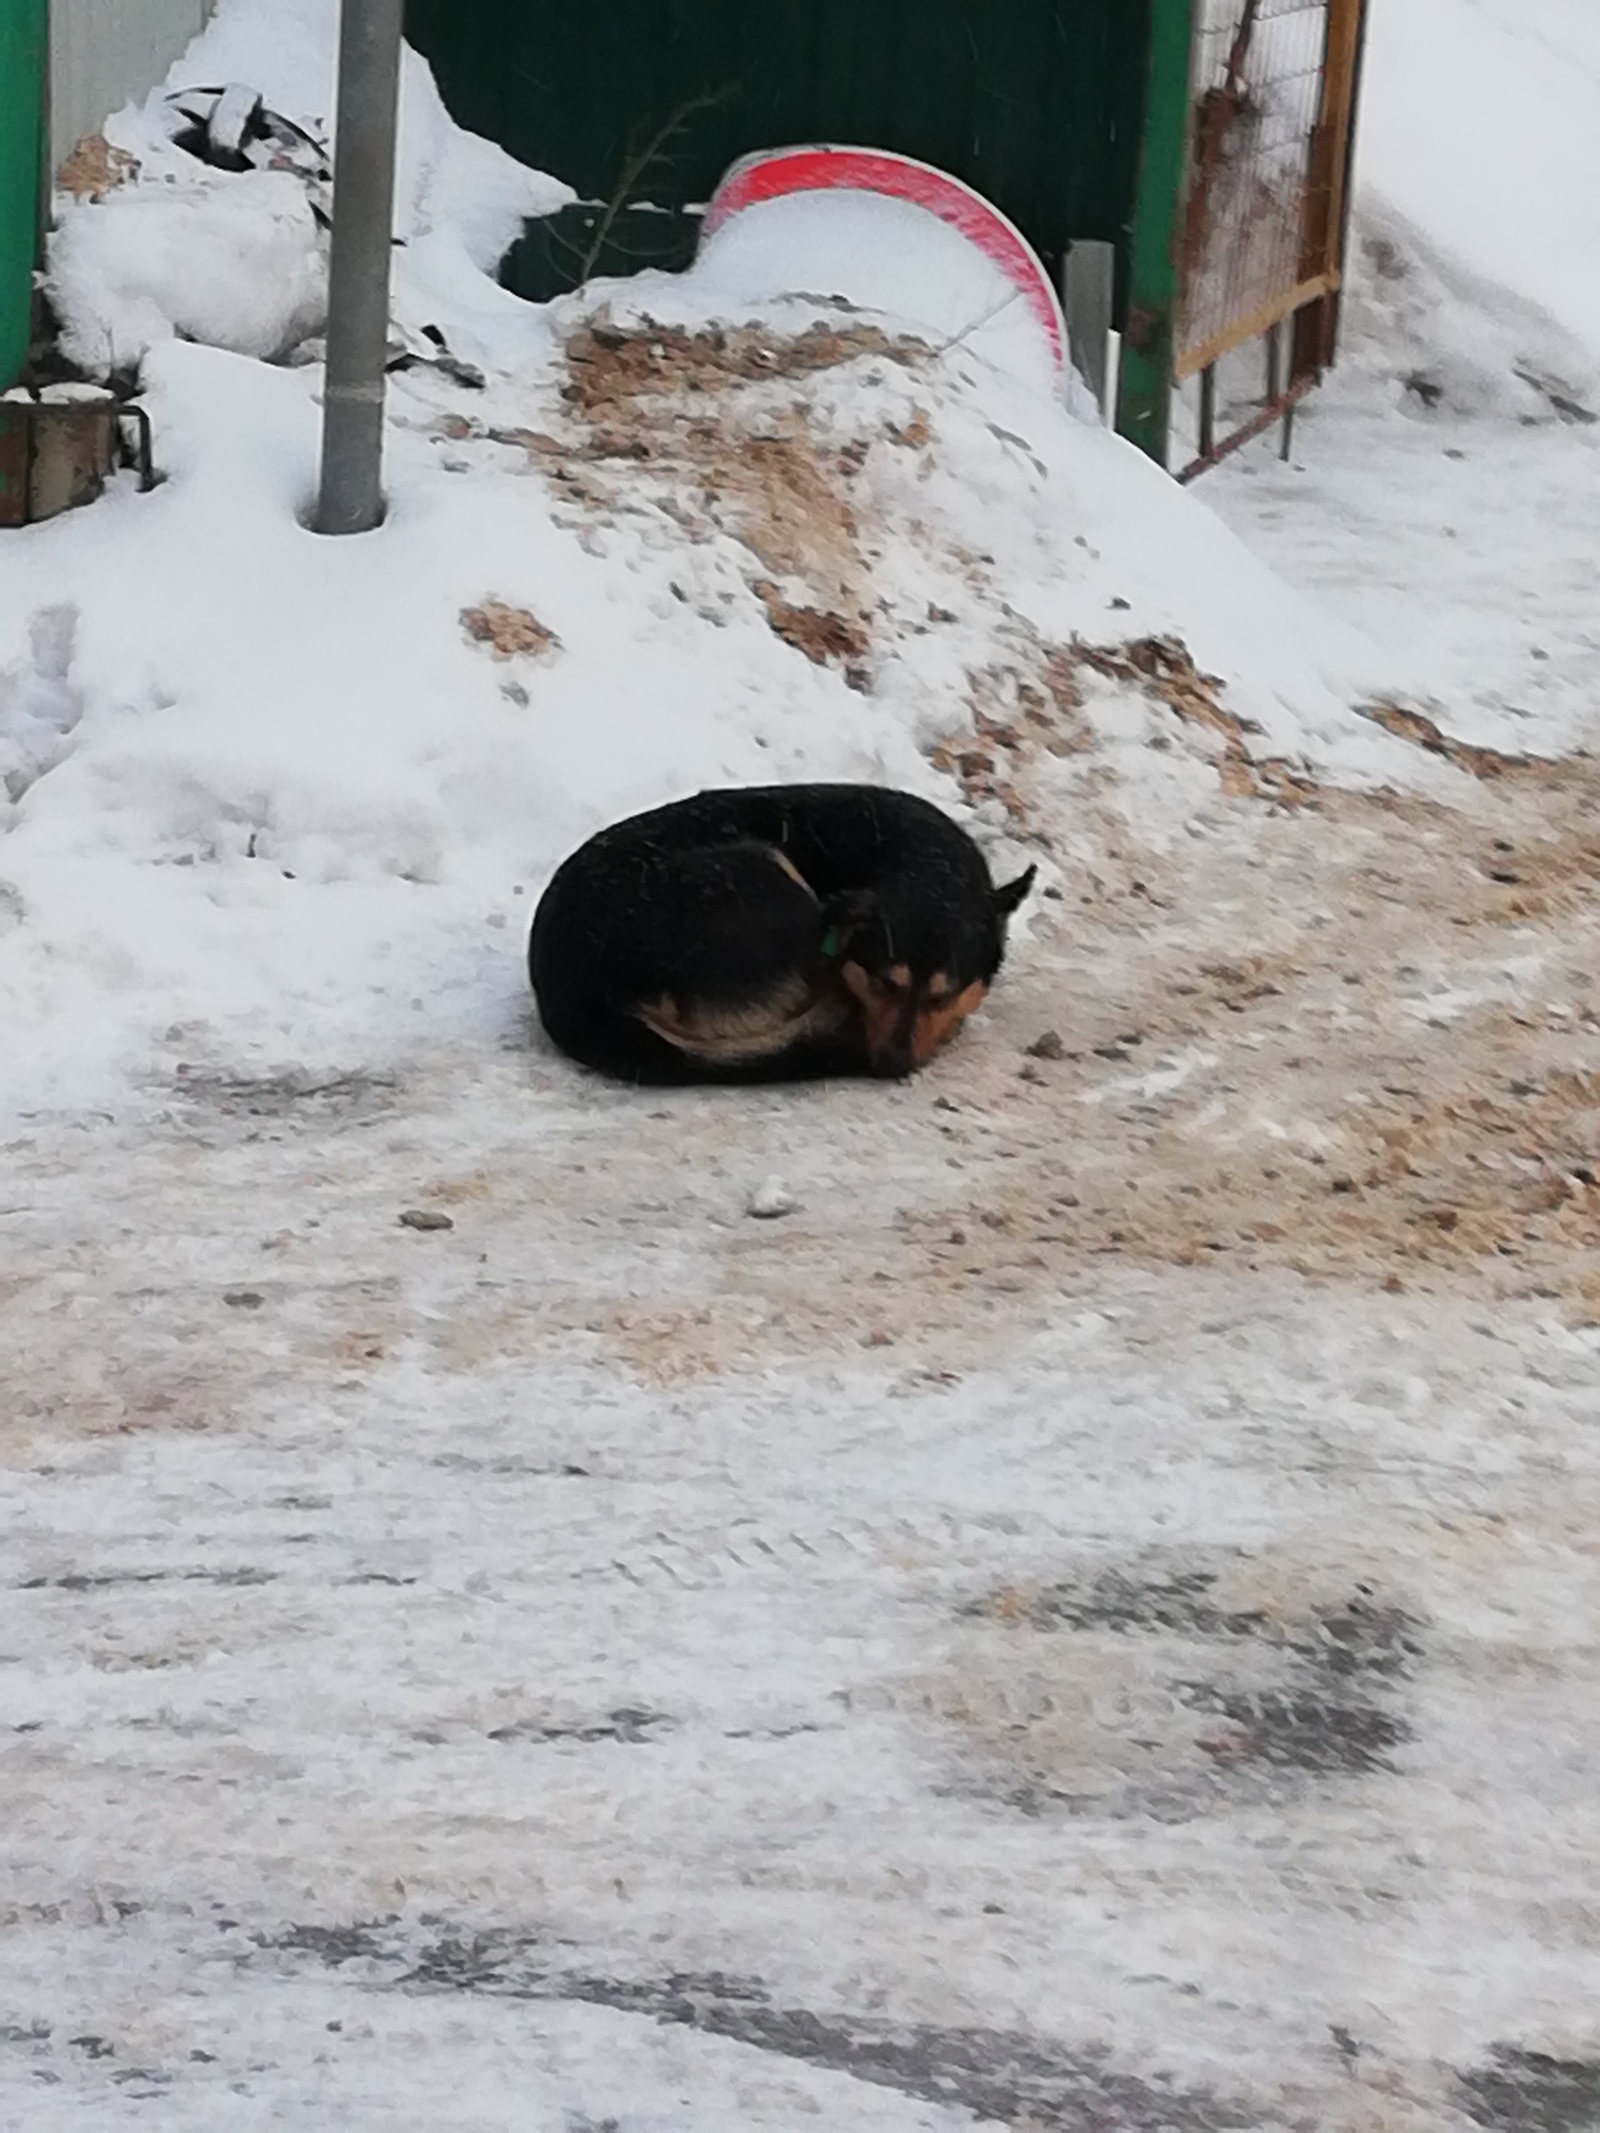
350 499
1088 287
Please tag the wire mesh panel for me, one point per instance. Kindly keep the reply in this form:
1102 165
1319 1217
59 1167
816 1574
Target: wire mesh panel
1256 242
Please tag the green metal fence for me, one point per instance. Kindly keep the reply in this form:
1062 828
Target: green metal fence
642 107
22 45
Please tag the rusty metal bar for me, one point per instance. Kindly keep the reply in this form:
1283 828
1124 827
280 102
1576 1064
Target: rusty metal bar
58 454
144 456
1208 412
1263 419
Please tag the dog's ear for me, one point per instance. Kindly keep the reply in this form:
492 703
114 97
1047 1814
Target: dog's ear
845 919
1002 902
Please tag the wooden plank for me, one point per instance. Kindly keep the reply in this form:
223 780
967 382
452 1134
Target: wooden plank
1252 323
1358 72
1338 100
1324 223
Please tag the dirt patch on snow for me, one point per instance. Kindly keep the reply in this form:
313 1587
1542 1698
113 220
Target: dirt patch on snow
95 168
1034 704
507 630
1422 732
615 367
691 421
1390 1073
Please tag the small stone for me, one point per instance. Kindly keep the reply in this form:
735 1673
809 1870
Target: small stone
244 1299
425 1218
1051 1045
770 1199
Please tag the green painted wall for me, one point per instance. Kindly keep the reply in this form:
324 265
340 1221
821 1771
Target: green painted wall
22 49
1038 103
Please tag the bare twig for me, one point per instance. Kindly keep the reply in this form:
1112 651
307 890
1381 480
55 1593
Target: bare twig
640 161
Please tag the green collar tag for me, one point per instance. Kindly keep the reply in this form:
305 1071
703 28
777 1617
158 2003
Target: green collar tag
830 944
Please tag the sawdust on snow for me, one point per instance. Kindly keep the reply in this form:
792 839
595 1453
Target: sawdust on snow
1349 1035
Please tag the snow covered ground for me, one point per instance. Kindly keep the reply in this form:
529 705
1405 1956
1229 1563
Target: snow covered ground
1084 1622
1444 493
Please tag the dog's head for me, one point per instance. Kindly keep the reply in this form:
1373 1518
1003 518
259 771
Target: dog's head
916 967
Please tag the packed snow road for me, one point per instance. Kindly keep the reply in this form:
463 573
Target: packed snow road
502 1635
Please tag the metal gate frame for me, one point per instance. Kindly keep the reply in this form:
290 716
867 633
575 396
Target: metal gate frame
1170 224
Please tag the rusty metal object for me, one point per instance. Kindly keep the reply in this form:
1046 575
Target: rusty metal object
15 434
58 454
1282 407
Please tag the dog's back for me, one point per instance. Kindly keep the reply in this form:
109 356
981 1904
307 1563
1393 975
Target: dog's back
766 932
670 963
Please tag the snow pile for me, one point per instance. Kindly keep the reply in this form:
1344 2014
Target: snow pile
282 799
1481 128
1469 370
235 260
238 260
887 257
1470 281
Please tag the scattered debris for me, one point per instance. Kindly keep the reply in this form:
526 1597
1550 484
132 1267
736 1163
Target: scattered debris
231 129
430 348
1164 668
913 435
612 364
426 1218
95 168
508 630
820 636
1051 1045
1568 408
1413 726
631 1725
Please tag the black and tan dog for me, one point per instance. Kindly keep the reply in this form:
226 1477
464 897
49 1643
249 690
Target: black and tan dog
775 933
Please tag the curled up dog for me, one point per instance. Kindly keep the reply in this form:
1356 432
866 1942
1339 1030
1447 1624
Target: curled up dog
772 933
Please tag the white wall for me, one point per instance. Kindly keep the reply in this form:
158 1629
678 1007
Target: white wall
102 52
